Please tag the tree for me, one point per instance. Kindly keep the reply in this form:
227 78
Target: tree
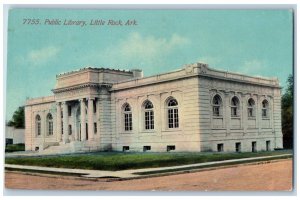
18 118
287 111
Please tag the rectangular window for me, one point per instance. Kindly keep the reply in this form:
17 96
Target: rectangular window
70 129
268 145
233 112
238 147
147 148
149 120
264 112
39 128
173 118
128 121
62 128
250 112
254 147
216 111
50 128
94 106
176 124
95 127
69 110
170 147
125 148
220 147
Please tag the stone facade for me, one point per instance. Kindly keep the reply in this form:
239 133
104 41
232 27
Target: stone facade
192 109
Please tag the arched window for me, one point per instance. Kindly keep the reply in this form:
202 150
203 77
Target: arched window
50 124
251 110
216 105
265 108
235 104
173 119
127 113
149 115
38 124
70 129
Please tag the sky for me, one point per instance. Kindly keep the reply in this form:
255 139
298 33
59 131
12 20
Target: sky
252 42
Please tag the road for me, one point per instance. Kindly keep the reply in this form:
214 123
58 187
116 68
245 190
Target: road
260 177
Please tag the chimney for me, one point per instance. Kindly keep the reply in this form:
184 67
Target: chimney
137 73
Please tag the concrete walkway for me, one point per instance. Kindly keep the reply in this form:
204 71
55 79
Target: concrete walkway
125 174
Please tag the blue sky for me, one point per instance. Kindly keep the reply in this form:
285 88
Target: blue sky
253 42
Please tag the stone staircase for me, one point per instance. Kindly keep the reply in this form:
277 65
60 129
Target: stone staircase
72 147
58 149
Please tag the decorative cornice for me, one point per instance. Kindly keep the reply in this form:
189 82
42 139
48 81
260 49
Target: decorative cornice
84 85
101 69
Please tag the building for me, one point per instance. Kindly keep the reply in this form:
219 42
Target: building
193 109
14 135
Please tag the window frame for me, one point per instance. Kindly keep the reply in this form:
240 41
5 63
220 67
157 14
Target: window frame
251 106
95 128
127 118
148 112
265 109
49 124
220 147
38 125
172 114
217 107
234 107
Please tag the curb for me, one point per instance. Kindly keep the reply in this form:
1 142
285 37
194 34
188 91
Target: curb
183 171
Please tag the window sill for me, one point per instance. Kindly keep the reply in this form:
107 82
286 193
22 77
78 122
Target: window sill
215 128
251 118
148 131
171 130
127 133
217 117
265 118
235 117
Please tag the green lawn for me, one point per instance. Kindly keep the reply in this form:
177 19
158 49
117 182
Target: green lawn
122 161
14 147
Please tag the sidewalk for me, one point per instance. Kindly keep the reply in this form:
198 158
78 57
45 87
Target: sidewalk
126 174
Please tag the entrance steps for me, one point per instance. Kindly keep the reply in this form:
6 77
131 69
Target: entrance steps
72 147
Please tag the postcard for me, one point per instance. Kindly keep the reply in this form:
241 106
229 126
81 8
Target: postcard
149 99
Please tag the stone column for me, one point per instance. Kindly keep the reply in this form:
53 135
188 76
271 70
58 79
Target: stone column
227 116
43 126
65 121
244 113
82 115
91 118
98 117
75 124
58 122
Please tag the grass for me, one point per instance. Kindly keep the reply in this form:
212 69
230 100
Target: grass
14 147
123 161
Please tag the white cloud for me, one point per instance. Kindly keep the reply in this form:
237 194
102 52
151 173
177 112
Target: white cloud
148 47
252 67
136 49
40 56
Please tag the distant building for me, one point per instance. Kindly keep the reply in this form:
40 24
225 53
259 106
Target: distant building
193 109
14 135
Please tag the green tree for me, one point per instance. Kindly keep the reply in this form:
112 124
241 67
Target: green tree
18 118
287 111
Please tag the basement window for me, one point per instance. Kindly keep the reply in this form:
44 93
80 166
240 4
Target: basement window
220 147
238 147
125 148
147 148
171 148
